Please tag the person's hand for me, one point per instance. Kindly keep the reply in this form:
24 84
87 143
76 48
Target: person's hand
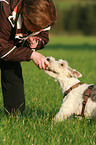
39 60
33 41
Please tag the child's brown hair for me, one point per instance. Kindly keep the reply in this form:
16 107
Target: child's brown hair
38 13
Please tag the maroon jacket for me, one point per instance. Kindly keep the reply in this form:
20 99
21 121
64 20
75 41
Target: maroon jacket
7 36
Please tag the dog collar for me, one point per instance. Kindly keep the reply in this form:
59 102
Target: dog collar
71 88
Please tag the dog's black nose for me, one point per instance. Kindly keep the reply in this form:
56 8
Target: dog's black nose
48 59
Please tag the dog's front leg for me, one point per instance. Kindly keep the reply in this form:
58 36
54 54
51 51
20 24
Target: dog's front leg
64 112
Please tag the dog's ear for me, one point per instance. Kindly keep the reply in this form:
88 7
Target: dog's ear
75 73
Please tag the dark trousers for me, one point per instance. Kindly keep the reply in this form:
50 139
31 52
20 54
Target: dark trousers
12 86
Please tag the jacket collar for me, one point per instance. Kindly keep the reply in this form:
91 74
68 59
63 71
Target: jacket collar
13 3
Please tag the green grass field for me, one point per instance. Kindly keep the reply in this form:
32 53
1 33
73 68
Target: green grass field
44 98
69 3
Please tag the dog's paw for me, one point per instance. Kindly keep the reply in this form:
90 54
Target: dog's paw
58 118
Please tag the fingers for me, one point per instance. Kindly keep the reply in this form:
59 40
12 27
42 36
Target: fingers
43 64
39 60
33 42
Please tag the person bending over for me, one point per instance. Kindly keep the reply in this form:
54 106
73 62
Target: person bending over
24 26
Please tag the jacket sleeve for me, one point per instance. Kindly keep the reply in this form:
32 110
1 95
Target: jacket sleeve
8 51
45 39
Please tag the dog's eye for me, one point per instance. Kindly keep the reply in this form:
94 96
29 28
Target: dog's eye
61 64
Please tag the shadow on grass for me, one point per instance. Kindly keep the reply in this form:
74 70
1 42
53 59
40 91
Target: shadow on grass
39 113
42 114
1 113
74 47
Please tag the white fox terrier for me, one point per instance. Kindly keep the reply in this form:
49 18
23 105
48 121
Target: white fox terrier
79 99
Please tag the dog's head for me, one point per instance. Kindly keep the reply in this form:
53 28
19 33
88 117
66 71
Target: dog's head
60 69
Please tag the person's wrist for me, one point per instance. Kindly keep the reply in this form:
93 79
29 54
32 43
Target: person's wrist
32 54
33 50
